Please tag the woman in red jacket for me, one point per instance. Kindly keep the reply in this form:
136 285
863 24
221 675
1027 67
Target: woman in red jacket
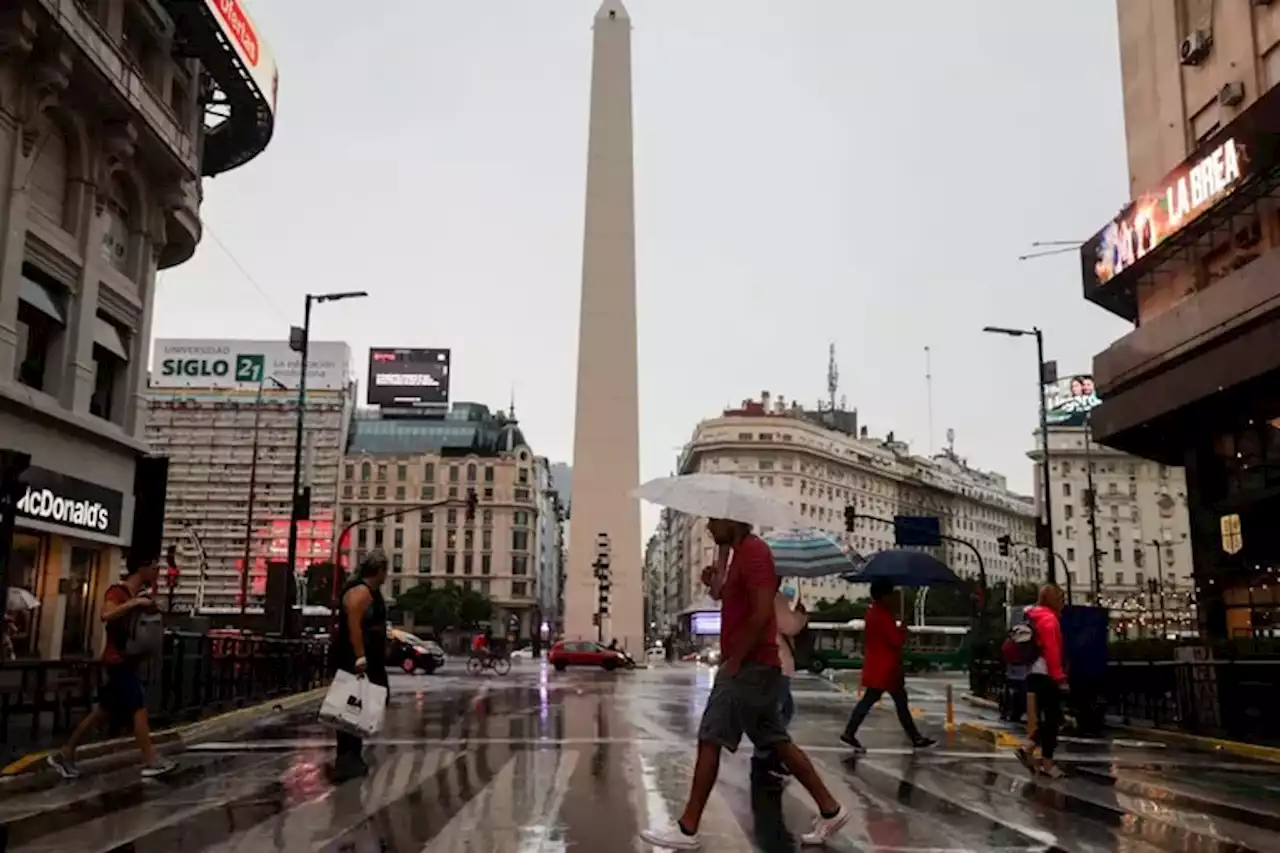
1047 680
883 639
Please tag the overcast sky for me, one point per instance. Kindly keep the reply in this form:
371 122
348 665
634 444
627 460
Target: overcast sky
807 173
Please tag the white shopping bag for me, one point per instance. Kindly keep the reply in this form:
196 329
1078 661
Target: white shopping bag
354 704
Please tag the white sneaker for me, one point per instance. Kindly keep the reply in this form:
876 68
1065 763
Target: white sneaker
159 768
825 828
671 838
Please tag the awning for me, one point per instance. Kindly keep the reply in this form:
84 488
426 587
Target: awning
38 297
107 336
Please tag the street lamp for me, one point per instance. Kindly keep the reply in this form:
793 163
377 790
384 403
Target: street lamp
300 342
1047 542
253 485
1164 616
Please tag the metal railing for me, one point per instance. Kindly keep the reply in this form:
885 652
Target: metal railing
196 677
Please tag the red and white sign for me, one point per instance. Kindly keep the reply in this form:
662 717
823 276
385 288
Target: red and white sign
243 33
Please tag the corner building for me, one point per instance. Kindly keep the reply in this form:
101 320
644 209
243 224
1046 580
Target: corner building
1192 262
103 145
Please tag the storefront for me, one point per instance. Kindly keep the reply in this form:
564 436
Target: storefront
1195 264
67 549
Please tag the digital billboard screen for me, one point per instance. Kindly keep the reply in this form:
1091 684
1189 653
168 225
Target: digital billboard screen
706 624
409 378
1069 400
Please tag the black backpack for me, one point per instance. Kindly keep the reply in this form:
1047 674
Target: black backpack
1021 647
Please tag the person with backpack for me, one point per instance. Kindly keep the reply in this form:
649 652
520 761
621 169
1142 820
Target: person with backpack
882 672
792 619
1013 699
135 632
1040 642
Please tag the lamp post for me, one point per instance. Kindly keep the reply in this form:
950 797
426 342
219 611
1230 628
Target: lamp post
1164 615
253 486
1047 544
300 342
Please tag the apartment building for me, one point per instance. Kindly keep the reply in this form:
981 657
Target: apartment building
551 545
225 412
419 471
1140 521
820 462
104 140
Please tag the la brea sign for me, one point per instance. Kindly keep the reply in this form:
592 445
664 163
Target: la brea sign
1205 183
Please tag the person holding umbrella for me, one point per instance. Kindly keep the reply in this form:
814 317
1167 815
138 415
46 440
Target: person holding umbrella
883 639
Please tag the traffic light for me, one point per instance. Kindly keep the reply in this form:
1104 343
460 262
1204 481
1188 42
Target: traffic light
1006 543
850 516
472 502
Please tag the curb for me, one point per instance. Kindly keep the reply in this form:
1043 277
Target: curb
1202 743
29 769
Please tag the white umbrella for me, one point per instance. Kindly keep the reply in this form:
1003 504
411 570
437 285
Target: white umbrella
20 600
719 496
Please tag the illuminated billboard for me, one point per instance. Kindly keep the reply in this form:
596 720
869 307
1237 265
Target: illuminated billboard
1070 399
409 378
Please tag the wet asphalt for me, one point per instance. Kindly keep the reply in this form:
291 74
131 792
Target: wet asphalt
544 762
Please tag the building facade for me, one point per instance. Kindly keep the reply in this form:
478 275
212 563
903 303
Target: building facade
1139 521
421 470
655 586
1192 262
225 413
103 145
821 462
551 549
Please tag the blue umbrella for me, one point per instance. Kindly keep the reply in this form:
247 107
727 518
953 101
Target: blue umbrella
904 568
810 553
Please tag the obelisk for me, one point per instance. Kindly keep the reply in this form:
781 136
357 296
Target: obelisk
606 440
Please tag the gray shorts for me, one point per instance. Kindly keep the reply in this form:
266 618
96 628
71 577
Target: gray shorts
748 703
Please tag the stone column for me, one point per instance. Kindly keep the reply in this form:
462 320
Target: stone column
17 38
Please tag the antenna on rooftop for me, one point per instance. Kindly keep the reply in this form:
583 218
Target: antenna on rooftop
833 376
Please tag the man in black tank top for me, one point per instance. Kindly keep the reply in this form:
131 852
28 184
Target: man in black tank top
360 646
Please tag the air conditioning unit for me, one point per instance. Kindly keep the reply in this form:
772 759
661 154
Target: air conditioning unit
1195 47
1231 94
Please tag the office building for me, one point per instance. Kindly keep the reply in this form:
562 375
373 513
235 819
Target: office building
550 545
1193 261
396 465
606 438
822 461
225 412
105 141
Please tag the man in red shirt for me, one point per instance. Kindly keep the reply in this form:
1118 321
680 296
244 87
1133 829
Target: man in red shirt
747 692
123 699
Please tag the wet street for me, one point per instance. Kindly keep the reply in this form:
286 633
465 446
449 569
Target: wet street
540 761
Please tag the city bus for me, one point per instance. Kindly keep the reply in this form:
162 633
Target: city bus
838 645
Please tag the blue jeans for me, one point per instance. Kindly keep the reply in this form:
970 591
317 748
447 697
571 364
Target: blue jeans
763 758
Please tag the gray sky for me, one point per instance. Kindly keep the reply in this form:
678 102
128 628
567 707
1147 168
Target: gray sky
807 172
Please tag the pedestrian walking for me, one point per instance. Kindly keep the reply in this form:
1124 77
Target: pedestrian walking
747 693
122 700
882 671
361 647
792 618
1046 683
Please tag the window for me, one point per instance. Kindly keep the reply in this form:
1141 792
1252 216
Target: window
524 476
398 538
1118 555
487 517
362 537
471 472
488 494
1119 578
519 564
397 563
453 491
469 539
399 493
402 472
346 515
1066 490
521 518
449 561
1138 578
395 589
348 491
484 588
519 540
380 493
451 539
429 472
425 538
41 321
364 491
522 494
377 537
366 471
1139 557
452 516
518 589
486 564
1068 512
1071 555
382 471
466 564
488 473
453 473
349 472
486 540
424 561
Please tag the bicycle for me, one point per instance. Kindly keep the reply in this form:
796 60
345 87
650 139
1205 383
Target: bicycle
500 664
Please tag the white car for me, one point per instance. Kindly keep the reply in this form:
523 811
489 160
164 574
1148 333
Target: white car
522 654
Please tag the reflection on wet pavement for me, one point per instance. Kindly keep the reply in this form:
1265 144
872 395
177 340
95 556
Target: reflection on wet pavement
542 762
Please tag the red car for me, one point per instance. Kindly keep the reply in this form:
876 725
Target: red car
584 653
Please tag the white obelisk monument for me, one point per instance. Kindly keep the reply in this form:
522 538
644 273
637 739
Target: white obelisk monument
606 440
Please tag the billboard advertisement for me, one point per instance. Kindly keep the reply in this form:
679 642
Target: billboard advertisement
705 624
409 378
242 365
241 32
1070 399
